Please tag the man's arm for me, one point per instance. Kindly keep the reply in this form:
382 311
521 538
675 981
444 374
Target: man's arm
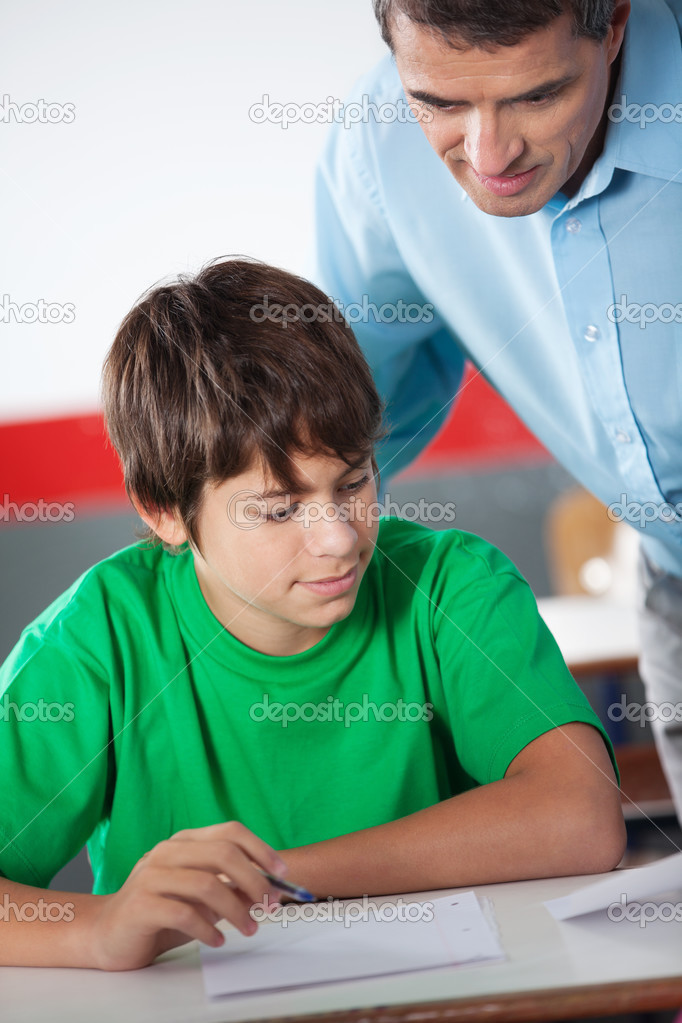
416 362
556 812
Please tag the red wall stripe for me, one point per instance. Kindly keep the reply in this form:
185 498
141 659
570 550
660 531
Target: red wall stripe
69 459
481 431
59 460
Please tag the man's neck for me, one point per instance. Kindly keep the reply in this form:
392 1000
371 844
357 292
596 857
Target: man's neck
596 143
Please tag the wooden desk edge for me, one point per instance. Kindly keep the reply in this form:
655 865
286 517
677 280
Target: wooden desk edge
541 1006
602 665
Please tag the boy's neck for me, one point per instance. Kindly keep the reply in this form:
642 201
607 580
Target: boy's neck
266 634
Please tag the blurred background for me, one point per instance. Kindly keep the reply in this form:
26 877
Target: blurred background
128 154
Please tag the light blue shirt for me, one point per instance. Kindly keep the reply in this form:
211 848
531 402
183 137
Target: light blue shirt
536 302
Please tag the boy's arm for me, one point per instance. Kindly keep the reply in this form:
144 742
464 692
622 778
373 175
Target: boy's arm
556 812
41 927
176 892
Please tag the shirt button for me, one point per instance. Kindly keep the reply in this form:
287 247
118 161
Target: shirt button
622 436
573 225
592 333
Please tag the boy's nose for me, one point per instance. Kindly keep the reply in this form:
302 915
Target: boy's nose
332 535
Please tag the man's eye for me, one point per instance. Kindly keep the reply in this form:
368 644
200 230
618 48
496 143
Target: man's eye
544 97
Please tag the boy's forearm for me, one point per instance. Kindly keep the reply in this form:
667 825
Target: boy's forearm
41 927
502 831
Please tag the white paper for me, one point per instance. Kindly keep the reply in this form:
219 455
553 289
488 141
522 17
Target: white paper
314 951
639 882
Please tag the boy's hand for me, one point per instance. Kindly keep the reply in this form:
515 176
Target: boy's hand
174 894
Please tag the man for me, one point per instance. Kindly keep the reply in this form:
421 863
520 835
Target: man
529 212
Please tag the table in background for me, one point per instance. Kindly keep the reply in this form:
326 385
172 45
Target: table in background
596 635
599 636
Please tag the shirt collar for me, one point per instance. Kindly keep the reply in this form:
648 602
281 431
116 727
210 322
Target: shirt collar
650 82
633 142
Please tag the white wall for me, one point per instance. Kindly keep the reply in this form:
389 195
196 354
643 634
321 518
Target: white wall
160 168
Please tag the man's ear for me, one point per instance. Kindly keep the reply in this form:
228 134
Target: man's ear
614 37
166 524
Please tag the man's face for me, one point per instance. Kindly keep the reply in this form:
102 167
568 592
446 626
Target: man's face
512 125
278 570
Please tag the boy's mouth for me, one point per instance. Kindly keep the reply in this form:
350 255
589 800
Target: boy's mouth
333 585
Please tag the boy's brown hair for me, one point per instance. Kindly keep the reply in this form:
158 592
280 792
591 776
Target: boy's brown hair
211 372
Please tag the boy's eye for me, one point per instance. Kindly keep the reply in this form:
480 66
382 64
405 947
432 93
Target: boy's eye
357 484
280 513
283 512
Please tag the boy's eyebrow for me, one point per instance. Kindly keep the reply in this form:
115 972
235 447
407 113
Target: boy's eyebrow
539 90
308 489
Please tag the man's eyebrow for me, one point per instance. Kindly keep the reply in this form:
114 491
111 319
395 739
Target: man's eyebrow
438 101
303 488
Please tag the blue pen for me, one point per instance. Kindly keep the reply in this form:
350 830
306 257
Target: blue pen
294 890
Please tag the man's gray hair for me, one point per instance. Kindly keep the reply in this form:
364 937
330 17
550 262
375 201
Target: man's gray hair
491 23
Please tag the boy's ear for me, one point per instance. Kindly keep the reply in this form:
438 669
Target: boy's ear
166 524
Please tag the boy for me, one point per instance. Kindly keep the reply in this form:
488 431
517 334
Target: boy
380 703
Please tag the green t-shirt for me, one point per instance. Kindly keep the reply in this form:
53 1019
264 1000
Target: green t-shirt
127 712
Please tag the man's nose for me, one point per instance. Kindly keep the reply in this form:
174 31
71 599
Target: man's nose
492 143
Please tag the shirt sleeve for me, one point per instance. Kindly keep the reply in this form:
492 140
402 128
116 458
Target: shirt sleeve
416 362
504 680
55 756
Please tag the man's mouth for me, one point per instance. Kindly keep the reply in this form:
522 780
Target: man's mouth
506 184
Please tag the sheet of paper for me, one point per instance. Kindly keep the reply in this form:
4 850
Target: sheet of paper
444 932
640 882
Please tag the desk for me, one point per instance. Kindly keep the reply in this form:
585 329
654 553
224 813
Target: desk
588 966
596 635
599 635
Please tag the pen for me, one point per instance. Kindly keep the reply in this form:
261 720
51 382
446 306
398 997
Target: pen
296 892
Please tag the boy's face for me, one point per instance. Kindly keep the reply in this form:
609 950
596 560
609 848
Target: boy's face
277 570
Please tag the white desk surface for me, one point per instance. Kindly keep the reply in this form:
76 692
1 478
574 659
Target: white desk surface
542 953
592 630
